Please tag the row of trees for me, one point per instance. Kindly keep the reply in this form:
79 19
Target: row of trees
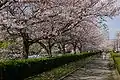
116 42
65 23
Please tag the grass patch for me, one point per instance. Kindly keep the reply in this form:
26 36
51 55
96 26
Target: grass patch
56 73
117 63
116 59
115 54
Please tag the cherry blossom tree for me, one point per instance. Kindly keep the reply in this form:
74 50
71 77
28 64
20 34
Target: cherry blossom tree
49 22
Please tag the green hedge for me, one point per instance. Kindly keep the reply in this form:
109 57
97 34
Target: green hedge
21 69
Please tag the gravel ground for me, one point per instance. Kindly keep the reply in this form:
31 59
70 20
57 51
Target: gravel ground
97 69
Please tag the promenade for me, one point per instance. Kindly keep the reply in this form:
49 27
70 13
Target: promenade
97 69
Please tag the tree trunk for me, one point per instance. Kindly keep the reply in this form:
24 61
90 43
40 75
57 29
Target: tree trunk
50 52
60 49
25 49
63 48
74 47
49 48
80 49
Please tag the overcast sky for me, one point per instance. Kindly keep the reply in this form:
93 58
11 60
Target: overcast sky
114 26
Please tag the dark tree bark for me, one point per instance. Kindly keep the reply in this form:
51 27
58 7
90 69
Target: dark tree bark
59 47
74 47
80 48
25 49
49 48
26 43
63 48
3 3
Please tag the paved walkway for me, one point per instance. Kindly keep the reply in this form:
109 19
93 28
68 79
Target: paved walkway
97 69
